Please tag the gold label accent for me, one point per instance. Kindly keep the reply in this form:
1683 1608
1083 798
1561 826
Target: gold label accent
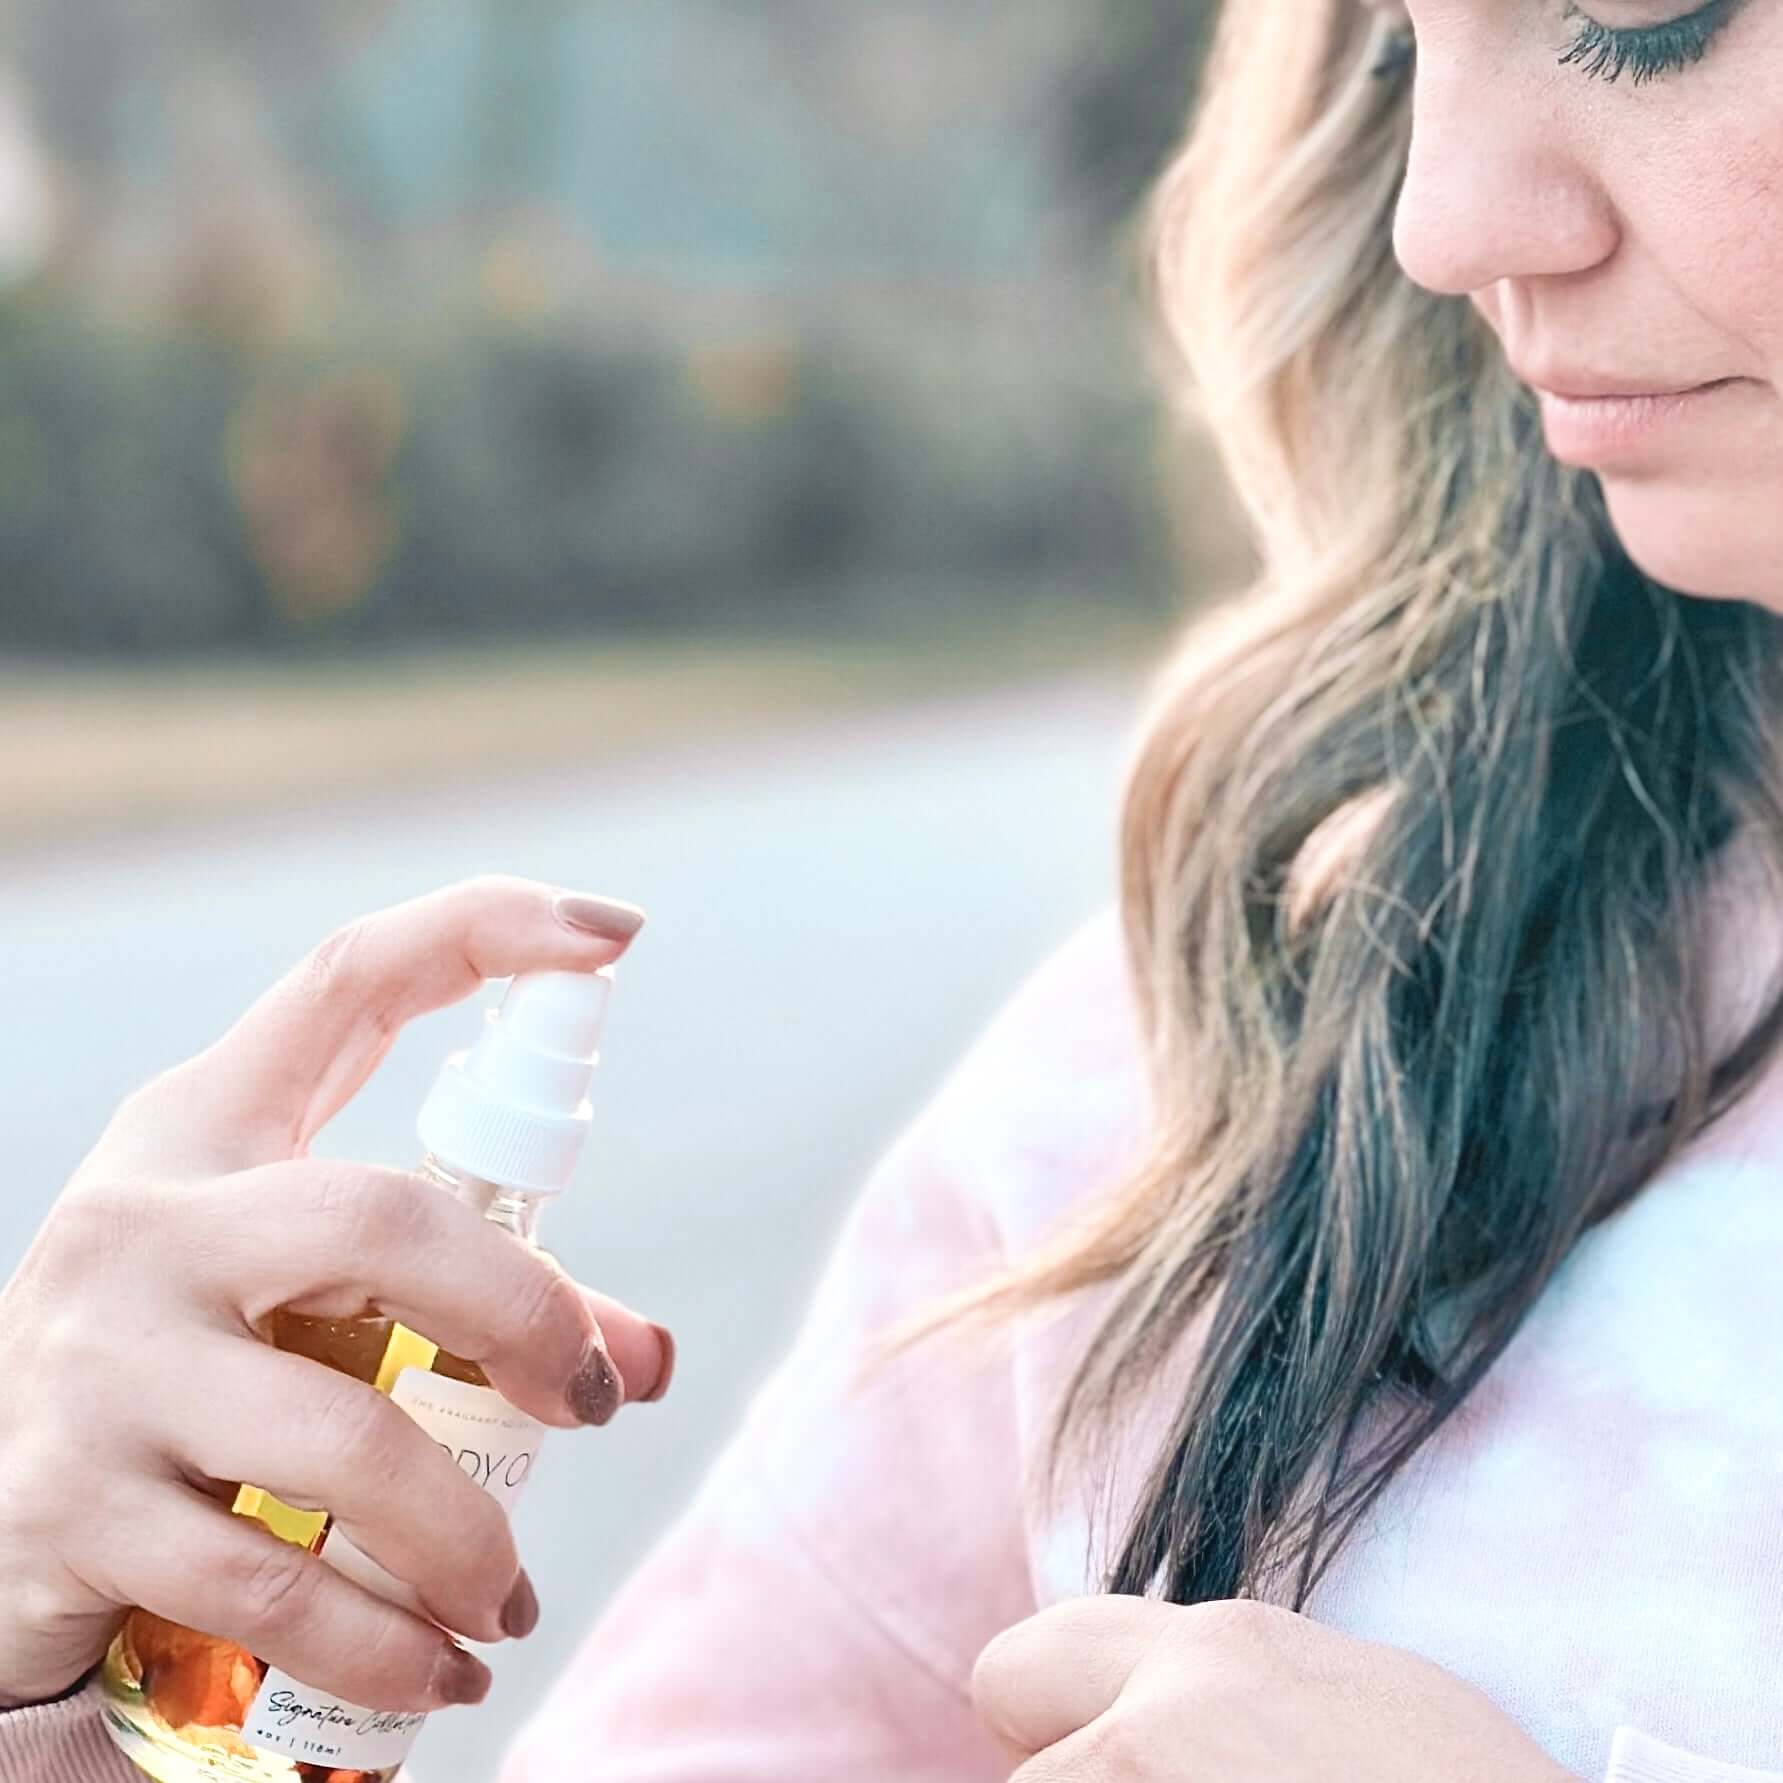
405 1349
286 1521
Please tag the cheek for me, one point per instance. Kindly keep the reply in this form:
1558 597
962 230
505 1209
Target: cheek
1716 222
1705 515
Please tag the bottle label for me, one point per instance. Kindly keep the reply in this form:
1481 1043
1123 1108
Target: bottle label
494 1444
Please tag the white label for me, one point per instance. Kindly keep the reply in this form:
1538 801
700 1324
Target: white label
291 1718
491 1442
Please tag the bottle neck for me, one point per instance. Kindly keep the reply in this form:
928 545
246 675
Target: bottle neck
508 1208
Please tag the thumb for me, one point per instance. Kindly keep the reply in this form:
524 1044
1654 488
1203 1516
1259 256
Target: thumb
1042 1680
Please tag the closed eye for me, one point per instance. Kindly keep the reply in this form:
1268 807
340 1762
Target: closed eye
1604 52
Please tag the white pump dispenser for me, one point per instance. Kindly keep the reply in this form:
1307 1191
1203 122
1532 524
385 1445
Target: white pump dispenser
513 1107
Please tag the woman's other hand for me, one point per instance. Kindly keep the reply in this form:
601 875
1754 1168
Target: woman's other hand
1238 1691
137 1391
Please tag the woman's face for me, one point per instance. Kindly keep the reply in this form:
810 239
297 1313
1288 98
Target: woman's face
1621 234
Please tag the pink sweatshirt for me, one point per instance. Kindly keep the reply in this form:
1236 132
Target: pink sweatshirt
1596 1542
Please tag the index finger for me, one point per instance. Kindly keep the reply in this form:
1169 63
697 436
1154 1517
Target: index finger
357 1235
299 1053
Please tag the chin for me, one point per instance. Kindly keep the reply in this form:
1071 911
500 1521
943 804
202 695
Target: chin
1697 549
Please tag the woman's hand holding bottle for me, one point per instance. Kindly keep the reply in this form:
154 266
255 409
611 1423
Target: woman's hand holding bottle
139 1389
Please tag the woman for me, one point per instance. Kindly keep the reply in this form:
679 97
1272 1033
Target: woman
1324 1328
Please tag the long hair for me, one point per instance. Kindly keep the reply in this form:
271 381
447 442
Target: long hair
1409 851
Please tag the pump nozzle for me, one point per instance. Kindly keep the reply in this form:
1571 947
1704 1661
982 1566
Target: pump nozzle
512 1108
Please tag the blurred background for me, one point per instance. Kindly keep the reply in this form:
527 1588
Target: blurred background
701 453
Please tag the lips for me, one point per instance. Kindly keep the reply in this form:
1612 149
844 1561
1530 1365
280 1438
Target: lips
1612 395
1598 430
1594 387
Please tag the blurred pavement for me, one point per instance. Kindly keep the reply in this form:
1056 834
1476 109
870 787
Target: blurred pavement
834 914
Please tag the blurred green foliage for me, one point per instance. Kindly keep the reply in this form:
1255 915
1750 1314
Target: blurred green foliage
169 492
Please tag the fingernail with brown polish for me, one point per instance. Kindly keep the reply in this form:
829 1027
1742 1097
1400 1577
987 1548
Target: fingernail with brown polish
461 1677
667 1342
520 1614
606 917
596 1391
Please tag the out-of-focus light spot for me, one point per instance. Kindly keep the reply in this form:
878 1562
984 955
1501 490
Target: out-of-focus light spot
517 285
310 466
746 381
27 193
253 280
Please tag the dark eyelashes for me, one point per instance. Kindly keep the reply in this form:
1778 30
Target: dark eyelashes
1648 53
1605 53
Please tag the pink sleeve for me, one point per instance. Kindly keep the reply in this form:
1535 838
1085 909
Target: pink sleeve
817 1611
60 1742
1636 1757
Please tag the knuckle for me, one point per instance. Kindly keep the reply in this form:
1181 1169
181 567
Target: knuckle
177 1101
274 1584
369 1212
355 1427
1231 1621
547 1309
393 1666
74 1371
475 896
485 1557
1231 1646
1150 1720
1088 1618
1116 1748
104 1218
142 1095
98 1215
179 1083
332 967
36 1519
482 888
38 1608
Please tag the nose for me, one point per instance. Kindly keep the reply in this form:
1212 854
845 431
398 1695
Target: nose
1498 183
